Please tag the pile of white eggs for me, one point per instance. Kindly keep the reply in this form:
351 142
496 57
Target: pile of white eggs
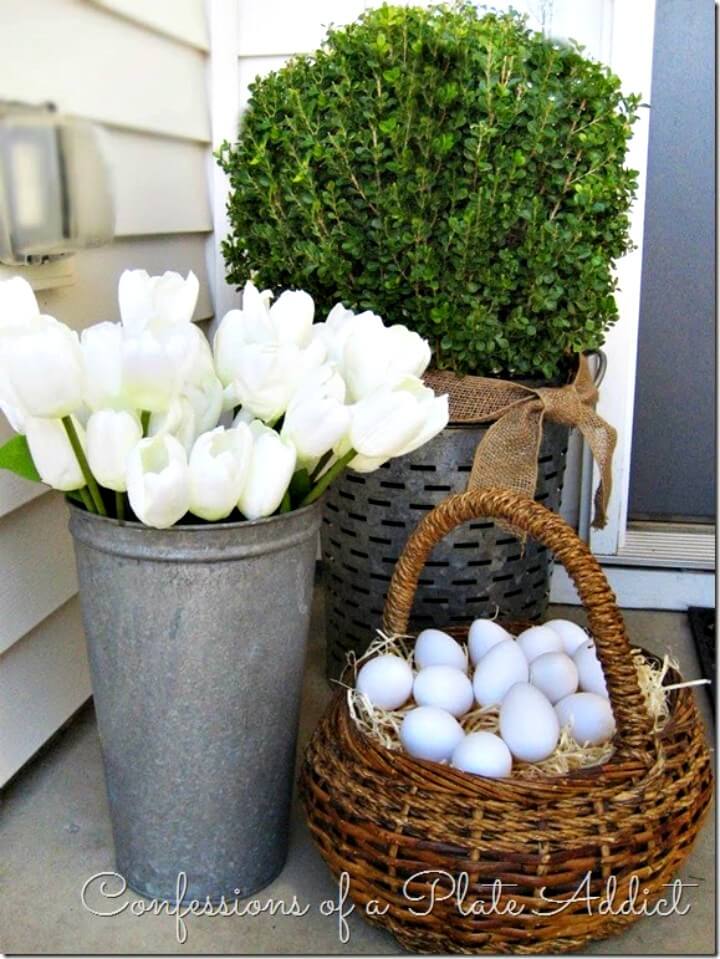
546 679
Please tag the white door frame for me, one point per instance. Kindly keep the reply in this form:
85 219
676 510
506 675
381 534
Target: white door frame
638 562
630 56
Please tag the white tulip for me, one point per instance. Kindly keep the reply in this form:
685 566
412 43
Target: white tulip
272 465
10 405
257 323
219 464
205 397
111 437
435 412
266 376
201 388
317 419
18 305
340 325
228 345
392 422
243 416
178 420
292 317
150 375
158 481
188 350
44 365
102 351
156 302
52 453
375 357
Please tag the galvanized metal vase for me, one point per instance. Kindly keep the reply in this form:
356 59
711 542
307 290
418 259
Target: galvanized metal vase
196 637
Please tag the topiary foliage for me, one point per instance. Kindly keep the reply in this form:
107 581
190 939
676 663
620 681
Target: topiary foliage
457 173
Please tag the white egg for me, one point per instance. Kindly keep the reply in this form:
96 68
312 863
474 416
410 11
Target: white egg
572 635
589 717
498 670
444 687
538 640
590 671
430 733
433 647
484 754
555 675
386 681
482 636
528 723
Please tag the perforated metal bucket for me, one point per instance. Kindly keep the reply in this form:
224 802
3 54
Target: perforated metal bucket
473 571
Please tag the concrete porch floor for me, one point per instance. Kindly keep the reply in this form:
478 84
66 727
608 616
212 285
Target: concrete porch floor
55 834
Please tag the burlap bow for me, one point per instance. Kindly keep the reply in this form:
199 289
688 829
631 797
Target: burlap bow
508 452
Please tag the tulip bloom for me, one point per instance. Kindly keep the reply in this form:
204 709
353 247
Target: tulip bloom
158 481
201 388
266 376
394 421
178 420
156 302
292 317
219 464
340 325
44 365
375 357
261 352
111 437
272 465
52 453
18 305
150 375
317 419
239 328
102 352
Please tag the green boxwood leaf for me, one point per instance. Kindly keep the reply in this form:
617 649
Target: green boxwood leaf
449 169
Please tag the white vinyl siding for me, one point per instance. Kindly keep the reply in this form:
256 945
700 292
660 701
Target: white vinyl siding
139 69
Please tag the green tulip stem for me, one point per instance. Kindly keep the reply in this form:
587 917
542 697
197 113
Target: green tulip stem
84 466
285 504
87 501
324 460
327 478
145 421
120 506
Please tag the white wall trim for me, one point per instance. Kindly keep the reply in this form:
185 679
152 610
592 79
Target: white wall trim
224 99
631 56
637 588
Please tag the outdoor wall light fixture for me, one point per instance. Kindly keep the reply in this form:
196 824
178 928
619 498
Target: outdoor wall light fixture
55 189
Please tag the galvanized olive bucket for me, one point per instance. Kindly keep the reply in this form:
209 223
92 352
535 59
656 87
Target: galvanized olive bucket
196 637
476 570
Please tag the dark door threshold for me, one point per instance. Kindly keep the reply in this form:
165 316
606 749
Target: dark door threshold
702 624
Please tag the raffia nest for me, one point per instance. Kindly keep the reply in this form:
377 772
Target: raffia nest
383 725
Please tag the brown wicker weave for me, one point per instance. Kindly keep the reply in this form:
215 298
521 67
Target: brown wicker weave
383 817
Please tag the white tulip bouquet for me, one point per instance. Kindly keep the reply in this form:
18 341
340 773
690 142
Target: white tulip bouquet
144 416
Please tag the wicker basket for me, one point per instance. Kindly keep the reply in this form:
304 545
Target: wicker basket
385 818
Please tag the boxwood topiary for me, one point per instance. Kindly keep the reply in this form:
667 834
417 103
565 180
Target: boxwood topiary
454 172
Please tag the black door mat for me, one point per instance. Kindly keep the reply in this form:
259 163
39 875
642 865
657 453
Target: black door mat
702 624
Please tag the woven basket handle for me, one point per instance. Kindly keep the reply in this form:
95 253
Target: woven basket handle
604 618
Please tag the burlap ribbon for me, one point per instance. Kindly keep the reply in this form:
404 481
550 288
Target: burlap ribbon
508 452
